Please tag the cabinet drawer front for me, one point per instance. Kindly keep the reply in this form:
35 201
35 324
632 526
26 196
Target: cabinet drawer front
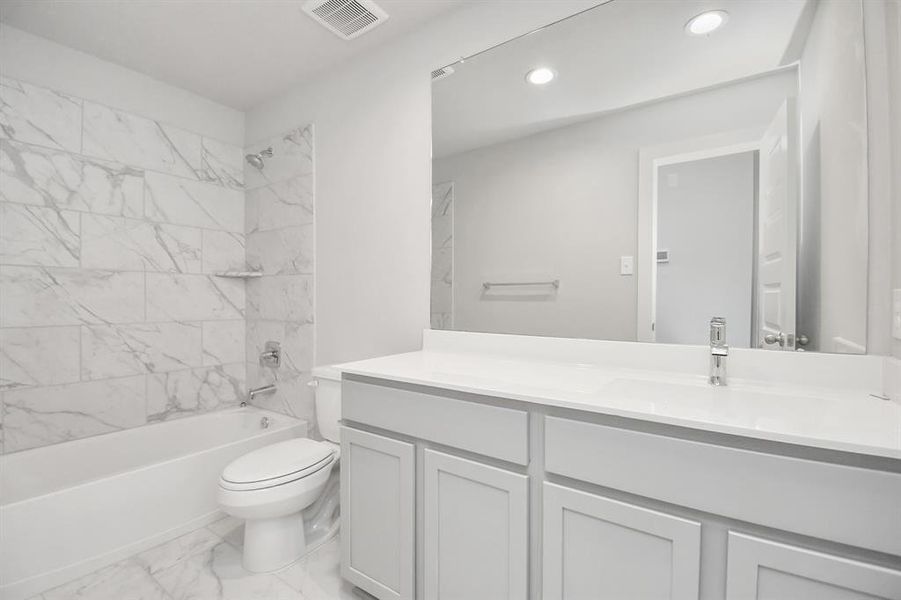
488 430
475 521
850 505
595 547
759 568
377 514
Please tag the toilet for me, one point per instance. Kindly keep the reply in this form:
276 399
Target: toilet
271 488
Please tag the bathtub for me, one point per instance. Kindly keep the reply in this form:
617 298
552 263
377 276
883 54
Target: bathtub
71 508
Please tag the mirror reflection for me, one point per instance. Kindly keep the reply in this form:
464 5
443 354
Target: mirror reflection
633 171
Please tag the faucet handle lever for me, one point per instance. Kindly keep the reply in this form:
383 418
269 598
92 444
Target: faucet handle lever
717 331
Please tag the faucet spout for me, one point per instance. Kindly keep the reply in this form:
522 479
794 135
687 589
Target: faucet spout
719 350
251 394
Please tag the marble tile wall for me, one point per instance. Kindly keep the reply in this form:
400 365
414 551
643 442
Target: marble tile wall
279 230
442 299
111 227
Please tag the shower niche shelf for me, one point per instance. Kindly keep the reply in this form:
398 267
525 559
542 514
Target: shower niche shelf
239 274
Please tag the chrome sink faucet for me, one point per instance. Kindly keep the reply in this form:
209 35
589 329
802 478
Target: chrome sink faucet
719 350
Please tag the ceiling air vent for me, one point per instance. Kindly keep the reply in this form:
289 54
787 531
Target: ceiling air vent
442 73
346 18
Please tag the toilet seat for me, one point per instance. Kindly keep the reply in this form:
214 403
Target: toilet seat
276 465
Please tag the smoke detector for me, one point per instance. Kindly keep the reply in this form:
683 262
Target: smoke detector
346 18
442 73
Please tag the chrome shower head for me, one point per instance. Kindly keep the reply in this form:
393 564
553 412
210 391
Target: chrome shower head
256 160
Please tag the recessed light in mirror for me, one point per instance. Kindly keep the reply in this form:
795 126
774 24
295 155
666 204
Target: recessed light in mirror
540 76
706 22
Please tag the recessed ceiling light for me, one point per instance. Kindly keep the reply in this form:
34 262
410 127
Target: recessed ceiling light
706 22
540 76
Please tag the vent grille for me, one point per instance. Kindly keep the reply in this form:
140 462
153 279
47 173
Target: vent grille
346 18
442 73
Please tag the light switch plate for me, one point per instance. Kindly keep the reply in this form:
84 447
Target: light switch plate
896 314
626 266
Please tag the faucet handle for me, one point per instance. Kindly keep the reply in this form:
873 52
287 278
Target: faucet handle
717 331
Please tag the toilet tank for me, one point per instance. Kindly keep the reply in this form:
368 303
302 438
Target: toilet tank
328 401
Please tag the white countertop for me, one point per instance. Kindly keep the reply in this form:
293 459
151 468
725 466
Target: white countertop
836 419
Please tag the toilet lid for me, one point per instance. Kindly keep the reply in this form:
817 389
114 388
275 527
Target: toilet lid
276 461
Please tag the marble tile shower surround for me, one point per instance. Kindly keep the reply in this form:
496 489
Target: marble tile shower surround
280 239
442 298
111 225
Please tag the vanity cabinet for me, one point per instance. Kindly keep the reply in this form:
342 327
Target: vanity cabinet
475 528
759 568
450 495
377 514
595 547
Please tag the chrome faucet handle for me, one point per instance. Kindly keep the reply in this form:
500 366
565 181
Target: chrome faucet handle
718 333
271 356
719 350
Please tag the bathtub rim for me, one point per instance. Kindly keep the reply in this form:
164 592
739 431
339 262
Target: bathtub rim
292 422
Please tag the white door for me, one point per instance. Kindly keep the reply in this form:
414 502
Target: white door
778 231
476 539
377 514
596 548
763 570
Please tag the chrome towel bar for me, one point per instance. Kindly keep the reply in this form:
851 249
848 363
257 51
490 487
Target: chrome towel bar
490 284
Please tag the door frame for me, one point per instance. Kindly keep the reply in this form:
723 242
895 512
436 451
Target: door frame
650 159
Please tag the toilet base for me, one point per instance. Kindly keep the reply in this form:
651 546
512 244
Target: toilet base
270 544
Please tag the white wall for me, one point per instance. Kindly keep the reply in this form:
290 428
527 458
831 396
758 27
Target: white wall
563 204
373 174
892 75
834 142
705 219
41 62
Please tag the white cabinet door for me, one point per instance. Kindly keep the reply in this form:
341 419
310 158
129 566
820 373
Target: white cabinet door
475 530
596 548
763 570
377 514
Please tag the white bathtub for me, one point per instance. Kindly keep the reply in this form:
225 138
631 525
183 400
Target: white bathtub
71 508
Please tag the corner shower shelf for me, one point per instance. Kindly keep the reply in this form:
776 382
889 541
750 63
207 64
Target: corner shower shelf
239 274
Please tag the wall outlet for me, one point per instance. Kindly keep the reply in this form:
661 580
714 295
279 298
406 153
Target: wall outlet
896 314
626 265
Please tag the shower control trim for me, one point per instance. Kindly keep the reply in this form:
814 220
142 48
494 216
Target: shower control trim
271 356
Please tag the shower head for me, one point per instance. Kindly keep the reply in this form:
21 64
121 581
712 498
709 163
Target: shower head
256 160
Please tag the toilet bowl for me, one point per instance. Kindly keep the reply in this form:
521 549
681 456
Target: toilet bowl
271 487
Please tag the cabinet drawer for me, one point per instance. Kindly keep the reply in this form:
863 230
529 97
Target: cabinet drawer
845 504
481 428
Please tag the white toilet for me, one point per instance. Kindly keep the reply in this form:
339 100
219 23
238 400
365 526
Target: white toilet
270 487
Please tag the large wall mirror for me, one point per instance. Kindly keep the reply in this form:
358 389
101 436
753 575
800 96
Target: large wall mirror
632 171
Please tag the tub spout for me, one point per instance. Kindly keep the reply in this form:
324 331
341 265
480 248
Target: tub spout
266 389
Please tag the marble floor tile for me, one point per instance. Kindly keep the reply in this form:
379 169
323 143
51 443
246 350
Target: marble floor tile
230 529
164 556
218 575
126 580
205 564
317 575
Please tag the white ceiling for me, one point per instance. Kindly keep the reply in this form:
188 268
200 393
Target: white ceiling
614 56
236 52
